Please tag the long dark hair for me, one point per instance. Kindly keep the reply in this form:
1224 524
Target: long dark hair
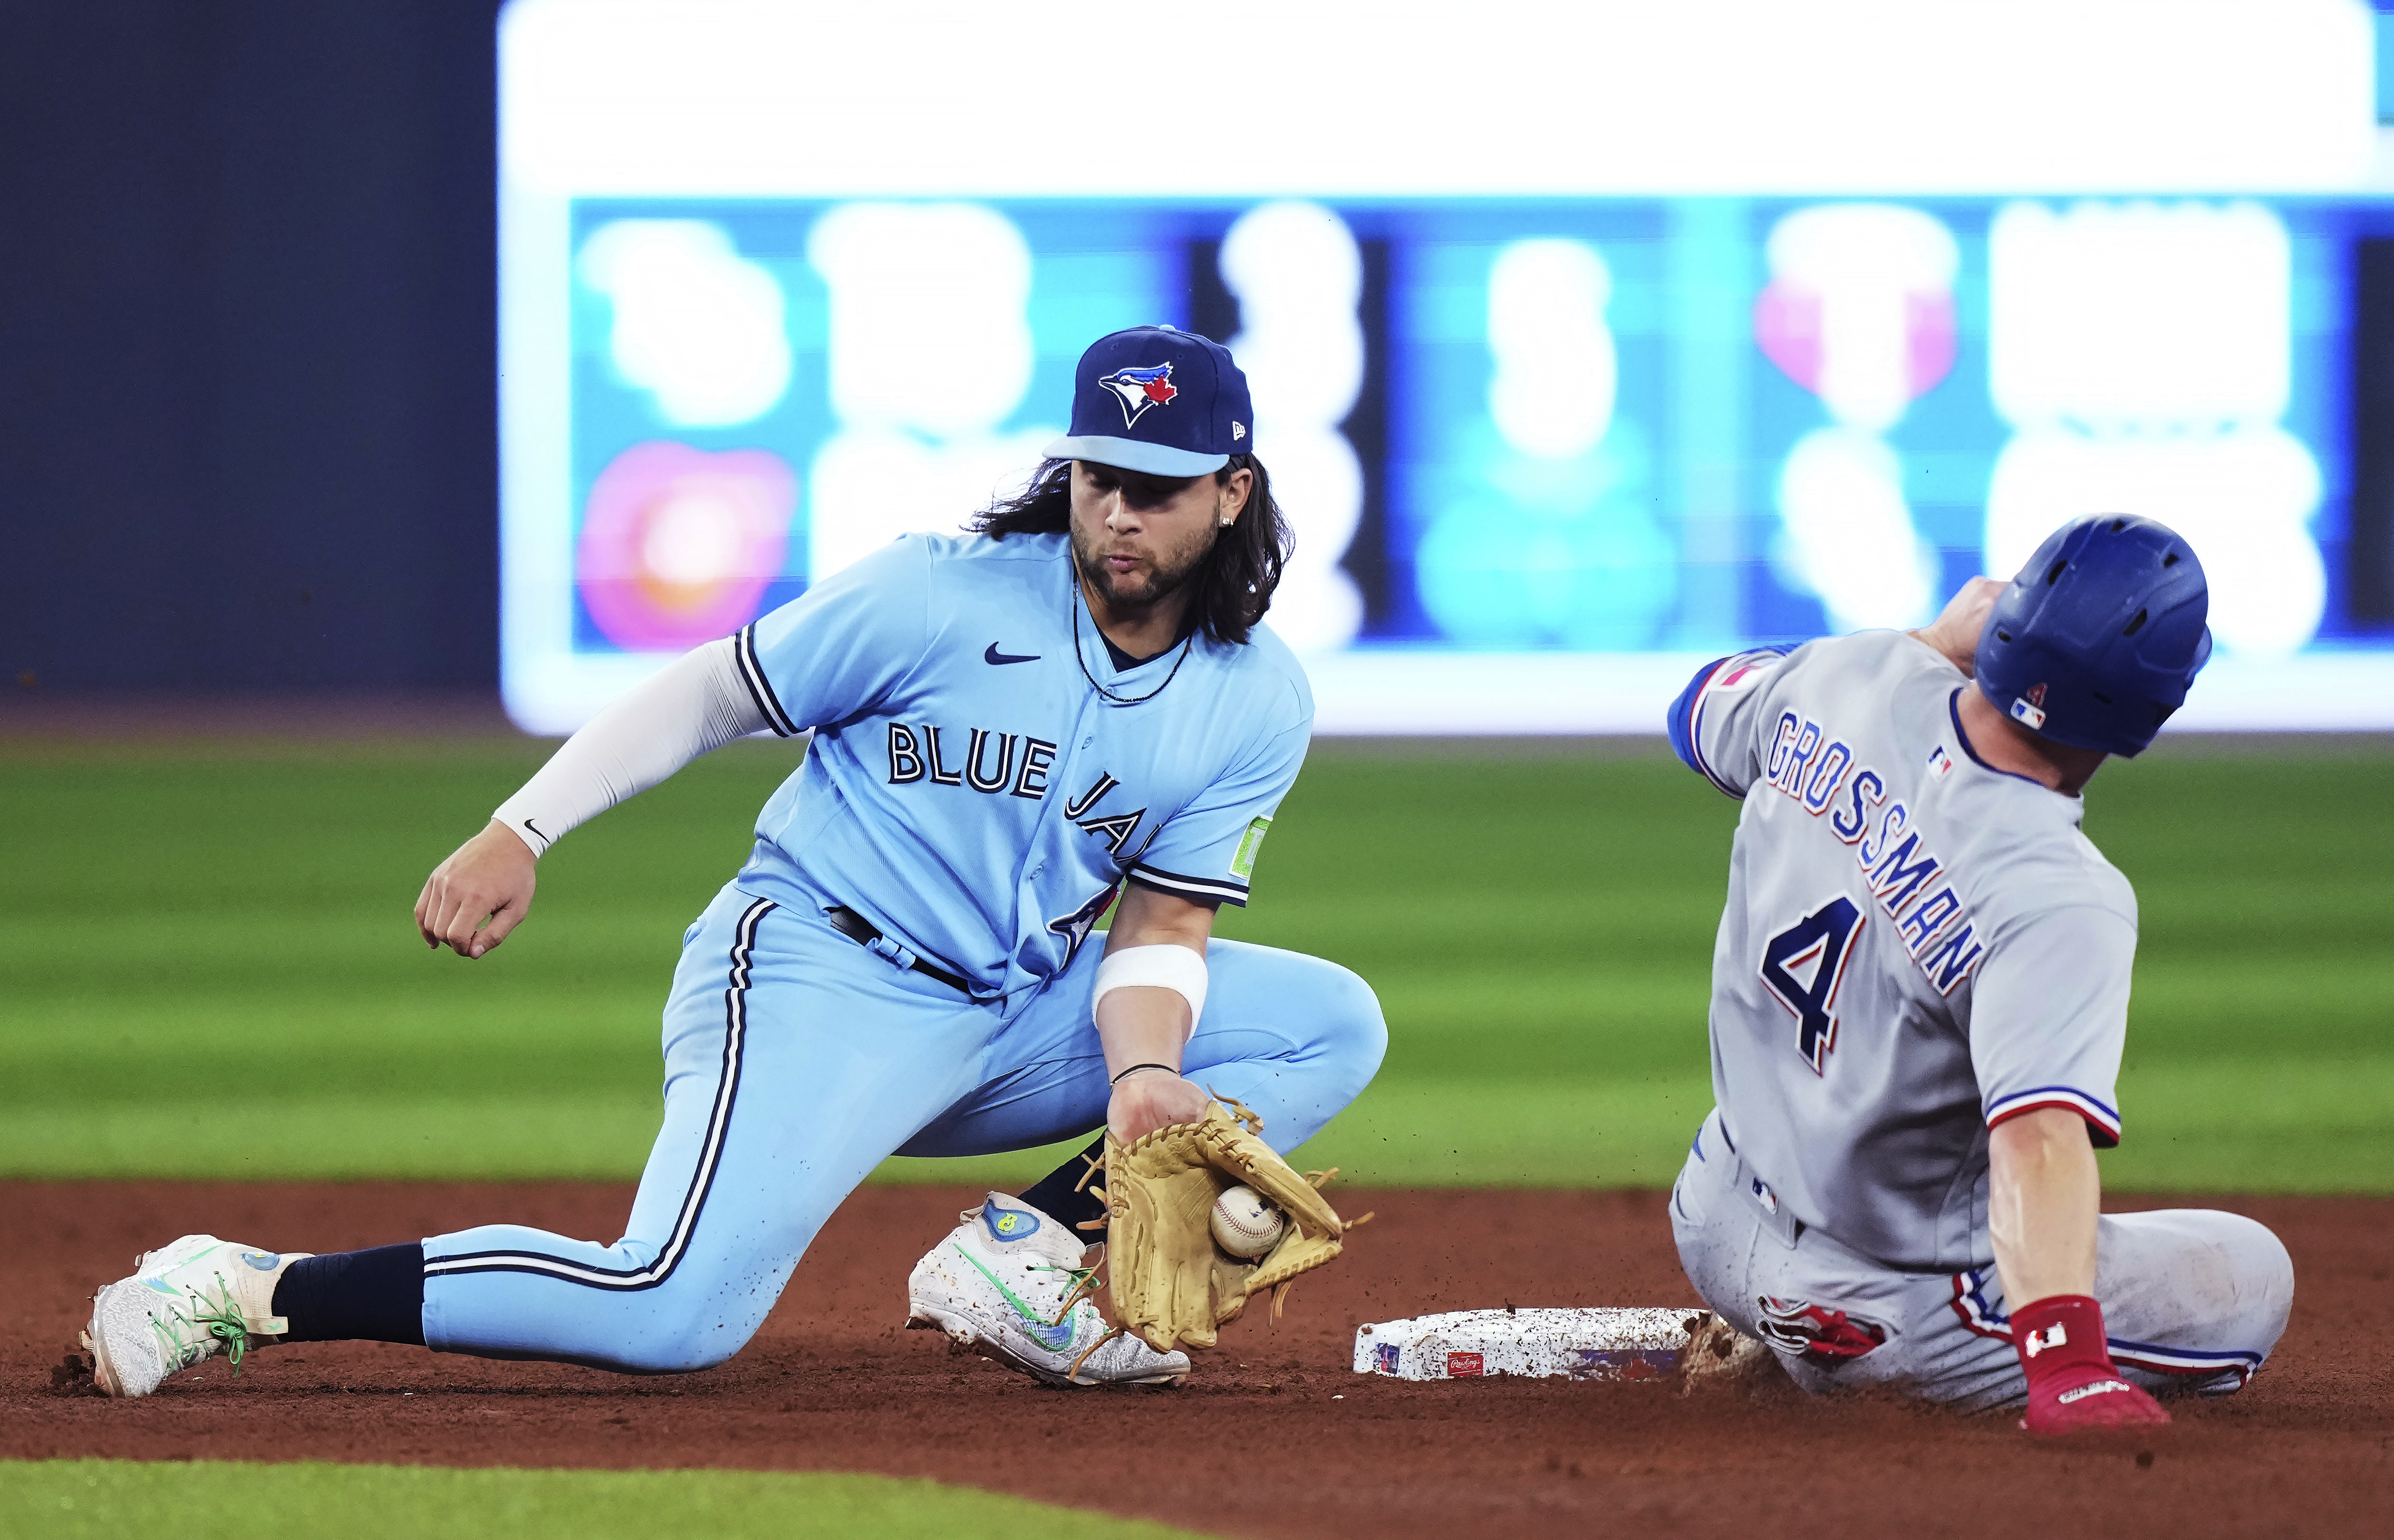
1234 581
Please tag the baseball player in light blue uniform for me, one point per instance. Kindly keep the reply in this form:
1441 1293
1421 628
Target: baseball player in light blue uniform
1920 996
1012 730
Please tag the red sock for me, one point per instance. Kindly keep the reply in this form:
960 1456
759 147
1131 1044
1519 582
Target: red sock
2072 1384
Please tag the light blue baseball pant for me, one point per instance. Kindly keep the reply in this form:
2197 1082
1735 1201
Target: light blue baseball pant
795 1060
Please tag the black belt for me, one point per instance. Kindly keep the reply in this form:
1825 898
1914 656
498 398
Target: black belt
866 934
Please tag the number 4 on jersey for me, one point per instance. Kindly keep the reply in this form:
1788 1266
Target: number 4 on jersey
1803 965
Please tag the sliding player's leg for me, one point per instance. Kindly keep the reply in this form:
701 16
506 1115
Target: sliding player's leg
2192 1299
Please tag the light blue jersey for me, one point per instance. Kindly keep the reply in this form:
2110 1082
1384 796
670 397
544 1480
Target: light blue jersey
971 792
979 799
982 782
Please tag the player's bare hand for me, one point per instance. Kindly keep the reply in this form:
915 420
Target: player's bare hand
1956 633
481 893
1149 1100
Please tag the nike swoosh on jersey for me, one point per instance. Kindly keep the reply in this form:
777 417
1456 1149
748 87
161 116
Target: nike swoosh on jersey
1054 1335
993 655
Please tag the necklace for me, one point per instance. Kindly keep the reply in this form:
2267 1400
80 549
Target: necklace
1080 656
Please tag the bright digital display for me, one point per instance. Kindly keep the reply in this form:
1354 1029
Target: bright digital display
1543 453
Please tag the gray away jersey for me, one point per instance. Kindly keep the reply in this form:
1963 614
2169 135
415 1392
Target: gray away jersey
1917 945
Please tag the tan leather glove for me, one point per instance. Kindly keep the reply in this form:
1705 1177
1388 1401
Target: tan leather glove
1170 1282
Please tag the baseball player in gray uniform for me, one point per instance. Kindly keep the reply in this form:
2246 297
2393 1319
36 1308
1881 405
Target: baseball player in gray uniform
1920 995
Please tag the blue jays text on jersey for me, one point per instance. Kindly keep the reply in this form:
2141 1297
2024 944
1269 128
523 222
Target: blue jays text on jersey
969 793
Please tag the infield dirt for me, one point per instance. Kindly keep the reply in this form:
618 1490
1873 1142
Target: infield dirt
1274 1436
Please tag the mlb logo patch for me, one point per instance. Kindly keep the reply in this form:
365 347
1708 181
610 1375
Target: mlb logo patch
1138 390
1464 1366
1383 1358
1940 764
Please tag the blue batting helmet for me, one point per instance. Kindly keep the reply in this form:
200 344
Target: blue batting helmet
2095 642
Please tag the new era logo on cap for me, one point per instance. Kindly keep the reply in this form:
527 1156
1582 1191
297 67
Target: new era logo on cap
1125 377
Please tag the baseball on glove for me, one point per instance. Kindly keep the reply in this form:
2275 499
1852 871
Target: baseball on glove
1170 1282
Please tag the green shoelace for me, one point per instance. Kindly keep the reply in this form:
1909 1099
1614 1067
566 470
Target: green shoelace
220 1318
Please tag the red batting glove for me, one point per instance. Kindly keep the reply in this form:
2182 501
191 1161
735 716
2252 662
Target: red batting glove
2073 1385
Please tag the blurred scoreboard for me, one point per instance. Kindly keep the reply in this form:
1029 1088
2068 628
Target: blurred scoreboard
1545 446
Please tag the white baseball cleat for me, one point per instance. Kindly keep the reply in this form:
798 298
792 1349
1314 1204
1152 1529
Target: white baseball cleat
184 1302
1009 1282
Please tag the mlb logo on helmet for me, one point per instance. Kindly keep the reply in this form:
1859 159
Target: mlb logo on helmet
1127 375
2096 641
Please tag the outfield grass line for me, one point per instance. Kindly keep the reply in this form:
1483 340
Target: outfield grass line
226 985
2297 1126
229 1500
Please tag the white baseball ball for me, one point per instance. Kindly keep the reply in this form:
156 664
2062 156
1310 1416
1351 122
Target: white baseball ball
1244 1225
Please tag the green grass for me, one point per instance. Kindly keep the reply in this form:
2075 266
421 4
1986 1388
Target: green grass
206 1499
207 966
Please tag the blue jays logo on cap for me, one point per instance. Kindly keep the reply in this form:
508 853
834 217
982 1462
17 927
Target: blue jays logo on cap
1140 388
1127 374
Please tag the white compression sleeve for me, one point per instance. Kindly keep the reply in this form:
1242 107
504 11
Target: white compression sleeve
1159 966
694 704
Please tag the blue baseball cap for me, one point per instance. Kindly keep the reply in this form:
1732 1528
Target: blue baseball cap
1158 400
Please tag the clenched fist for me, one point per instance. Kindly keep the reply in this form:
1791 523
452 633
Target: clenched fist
481 893
1957 632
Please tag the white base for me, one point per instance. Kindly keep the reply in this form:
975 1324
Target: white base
1576 1343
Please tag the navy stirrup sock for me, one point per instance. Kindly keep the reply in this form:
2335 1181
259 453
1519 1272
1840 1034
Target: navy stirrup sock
372 1295
1052 1194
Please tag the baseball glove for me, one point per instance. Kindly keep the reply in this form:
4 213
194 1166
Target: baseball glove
1170 1282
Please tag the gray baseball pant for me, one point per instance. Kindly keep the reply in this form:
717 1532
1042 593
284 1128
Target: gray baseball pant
2193 1299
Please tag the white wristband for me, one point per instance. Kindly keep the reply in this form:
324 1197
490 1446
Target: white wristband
1163 966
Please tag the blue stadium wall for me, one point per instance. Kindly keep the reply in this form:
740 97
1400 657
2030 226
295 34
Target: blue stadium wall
247 420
